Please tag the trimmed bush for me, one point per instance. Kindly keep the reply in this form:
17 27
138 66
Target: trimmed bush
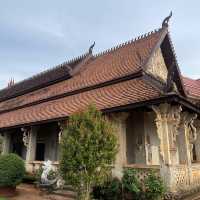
12 170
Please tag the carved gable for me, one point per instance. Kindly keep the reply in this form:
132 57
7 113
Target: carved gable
157 67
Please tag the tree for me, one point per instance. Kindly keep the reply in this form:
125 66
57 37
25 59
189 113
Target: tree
88 149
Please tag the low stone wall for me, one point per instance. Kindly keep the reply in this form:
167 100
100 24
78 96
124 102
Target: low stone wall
195 171
33 167
144 170
185 181
180 178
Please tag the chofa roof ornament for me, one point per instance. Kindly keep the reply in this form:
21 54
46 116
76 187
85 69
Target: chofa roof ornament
165 22
91 48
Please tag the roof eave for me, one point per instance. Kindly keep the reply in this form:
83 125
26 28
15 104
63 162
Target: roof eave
171 98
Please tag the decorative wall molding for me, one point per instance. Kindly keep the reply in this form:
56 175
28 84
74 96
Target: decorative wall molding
157 66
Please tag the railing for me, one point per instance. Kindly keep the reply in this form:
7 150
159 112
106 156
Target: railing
34 166
144 170
196 174
180 179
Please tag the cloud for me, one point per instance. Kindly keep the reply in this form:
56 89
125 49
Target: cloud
39 34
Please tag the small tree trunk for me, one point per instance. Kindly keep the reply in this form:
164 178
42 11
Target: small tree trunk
85 193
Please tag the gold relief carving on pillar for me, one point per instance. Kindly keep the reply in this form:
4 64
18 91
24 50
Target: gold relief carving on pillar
167 115
192 134
174 120
188 121
160 117
26 135
192 130
61 125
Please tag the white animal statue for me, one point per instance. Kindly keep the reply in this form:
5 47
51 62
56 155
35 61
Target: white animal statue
47 168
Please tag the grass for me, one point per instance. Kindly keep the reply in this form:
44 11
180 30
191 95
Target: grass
1 198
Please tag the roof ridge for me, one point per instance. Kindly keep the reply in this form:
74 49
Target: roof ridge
138 38
75 59
68 62
82 56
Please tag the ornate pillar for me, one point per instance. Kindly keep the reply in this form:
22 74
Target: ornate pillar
189 136
119 121
197 143
62 125
167 123
6 143
30 141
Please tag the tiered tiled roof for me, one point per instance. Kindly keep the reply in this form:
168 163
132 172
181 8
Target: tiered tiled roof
48 77
113 64
192 87
109 80
115 95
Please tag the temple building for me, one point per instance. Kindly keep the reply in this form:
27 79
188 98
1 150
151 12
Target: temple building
138 85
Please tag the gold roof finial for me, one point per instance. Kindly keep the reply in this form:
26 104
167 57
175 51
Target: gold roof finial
91 48
165 22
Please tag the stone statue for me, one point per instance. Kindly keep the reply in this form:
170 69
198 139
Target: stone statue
45 181
47 168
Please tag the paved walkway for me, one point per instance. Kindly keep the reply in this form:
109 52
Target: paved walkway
28 192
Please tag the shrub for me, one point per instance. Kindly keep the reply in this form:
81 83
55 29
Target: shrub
130 183
12 170
88 148
154 187
110 190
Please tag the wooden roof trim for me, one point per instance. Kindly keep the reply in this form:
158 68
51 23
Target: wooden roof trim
177 65
156 47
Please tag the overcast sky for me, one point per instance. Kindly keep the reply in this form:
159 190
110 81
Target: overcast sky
38 34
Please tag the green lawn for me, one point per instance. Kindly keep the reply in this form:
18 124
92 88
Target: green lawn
1 198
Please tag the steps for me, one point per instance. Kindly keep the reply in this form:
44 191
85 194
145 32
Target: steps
67 192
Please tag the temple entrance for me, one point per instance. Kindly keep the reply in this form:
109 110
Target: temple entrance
135 139
17 148
40 151
47 142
